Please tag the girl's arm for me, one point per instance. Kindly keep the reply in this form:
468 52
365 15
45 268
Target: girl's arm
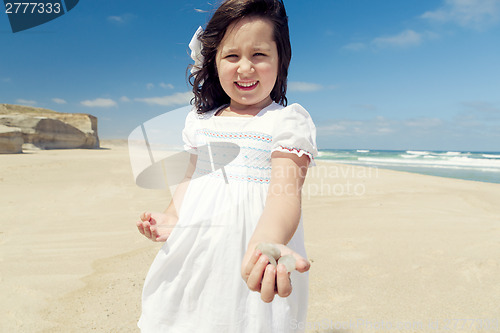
158 226
277 224
281 214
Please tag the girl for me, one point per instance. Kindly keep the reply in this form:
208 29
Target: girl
249 157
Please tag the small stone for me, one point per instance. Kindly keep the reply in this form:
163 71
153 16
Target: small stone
272 261
288 261
269 250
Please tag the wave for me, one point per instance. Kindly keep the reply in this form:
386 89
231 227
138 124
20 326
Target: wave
490 156
327 154
336 155
431 153
454 162
450 153
478 166
417 152
414 156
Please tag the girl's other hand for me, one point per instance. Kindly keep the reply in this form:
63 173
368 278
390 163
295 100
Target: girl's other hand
156 226
263 277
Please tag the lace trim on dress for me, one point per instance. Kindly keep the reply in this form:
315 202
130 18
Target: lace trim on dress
297 151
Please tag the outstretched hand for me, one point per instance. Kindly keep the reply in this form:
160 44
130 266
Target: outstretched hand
263 277
156 226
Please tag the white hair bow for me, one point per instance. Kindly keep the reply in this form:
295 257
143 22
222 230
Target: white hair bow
196 46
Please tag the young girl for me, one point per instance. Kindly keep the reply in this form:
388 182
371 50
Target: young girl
249 157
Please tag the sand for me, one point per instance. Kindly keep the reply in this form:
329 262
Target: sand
390 251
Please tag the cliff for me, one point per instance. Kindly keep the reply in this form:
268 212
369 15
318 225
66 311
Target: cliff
45 129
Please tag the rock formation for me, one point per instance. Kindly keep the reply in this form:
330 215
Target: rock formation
11 140
46 129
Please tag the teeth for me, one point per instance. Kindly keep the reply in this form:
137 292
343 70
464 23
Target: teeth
246 85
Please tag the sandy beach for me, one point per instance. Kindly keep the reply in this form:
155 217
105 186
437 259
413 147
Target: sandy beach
390 251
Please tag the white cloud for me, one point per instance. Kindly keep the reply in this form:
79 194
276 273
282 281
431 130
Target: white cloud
378 126
25 101
384 130
466 13
166 85
6 79
354 46
124 99
407 38
120 19
99 103
59 100
303 86
150 86
484 111
430 35
477 127
404 39
423 122
116 19
343 128
175 99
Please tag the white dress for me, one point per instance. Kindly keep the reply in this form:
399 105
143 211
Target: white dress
194 283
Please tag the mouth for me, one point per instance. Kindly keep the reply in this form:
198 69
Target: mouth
249 85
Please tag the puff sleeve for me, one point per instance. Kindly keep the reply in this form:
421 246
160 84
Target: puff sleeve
189 132
294 132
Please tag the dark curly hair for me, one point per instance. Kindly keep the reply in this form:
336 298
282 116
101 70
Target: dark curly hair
208 93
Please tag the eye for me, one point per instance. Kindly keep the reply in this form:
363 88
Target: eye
231 56
259 54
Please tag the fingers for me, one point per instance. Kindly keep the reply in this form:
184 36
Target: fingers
302 265
161 238
264 278
256 274
250 264
140 227
147 226
267 289
145 216
283 282
147 229
140 224
269 280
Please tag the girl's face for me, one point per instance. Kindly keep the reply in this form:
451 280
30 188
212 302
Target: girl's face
247 63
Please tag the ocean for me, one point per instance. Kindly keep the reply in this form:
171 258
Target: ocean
477 166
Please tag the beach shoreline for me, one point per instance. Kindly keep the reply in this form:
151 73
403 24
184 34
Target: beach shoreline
467 165
385 246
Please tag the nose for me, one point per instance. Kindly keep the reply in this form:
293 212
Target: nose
245 66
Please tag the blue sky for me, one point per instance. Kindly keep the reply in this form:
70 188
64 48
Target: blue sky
392 74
